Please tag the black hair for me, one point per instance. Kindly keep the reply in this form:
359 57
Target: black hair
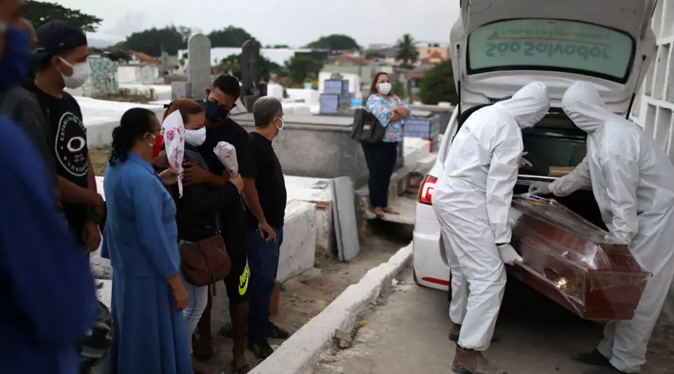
135 123
44 62
228 84
265 109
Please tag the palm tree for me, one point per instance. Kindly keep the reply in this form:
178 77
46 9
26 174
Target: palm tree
407 51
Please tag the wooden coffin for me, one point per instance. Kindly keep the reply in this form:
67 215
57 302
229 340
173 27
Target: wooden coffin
572 262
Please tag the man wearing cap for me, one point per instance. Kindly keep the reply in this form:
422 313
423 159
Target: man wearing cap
22 107
62 54
47 292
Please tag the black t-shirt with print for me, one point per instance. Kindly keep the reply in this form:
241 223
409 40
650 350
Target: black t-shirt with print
263 166
67 140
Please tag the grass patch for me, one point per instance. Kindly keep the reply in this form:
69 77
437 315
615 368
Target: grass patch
99 159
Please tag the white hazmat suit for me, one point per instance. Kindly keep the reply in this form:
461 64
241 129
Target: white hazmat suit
633 182
472 200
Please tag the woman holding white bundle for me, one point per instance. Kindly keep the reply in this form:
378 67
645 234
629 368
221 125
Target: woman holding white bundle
196 210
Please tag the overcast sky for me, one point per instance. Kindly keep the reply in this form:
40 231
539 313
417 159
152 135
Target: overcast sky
292 22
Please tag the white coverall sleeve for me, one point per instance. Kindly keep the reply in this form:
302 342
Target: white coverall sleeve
621 173
570 183
501 180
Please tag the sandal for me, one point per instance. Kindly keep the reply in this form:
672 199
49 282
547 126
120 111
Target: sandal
242 370
391 211
379 212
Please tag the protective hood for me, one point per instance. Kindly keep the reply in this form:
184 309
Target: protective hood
585 108
529 105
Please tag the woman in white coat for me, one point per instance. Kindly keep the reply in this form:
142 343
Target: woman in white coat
633 183
472 200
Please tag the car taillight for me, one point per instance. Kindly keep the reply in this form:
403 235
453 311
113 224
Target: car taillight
427 189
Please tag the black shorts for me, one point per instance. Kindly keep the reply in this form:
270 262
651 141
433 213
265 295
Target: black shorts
233 231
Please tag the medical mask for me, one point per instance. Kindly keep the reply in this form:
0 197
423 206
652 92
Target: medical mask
14 65
195 137
80 74
282 125
214 112
385 88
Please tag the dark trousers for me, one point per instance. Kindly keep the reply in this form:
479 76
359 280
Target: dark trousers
381 159
263 260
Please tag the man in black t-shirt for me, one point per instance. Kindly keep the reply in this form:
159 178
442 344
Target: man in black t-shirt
62 54
221 99
265 196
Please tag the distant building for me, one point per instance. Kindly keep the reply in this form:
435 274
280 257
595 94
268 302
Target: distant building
143 58
433 54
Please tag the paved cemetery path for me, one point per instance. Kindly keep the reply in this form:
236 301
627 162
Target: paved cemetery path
408 334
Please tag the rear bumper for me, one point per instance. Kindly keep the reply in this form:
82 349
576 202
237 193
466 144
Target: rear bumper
430 261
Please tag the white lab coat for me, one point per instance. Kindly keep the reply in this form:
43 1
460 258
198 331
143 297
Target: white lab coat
633 183
472 201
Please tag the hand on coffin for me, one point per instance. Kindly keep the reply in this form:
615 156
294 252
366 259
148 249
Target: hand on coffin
540 188
508 255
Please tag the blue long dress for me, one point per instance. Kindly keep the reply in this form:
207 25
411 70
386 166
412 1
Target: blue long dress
140 240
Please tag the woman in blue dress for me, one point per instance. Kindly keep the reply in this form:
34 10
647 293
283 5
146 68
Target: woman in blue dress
141 242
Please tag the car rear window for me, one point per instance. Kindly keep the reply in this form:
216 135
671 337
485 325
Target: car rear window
546 44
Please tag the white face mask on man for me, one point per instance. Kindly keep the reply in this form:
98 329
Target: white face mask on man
384 88
80 75
282 125
196 137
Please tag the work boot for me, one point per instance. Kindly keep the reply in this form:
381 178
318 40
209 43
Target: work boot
455 330
468 361
594 358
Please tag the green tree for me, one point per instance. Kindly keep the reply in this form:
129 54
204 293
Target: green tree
114 52
152 41
302 68
280 46
438 85
335 42
407 51
229 37
39 13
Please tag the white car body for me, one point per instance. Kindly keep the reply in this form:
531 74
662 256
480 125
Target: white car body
613 18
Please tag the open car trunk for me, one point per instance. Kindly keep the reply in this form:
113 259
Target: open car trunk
564 242
556 142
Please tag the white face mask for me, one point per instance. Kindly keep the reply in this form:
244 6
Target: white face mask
282 125
385 88
80 74
196 137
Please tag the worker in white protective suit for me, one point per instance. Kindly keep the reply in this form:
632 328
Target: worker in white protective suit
472 200
633 183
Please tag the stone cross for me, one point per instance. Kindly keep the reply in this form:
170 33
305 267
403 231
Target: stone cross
199 68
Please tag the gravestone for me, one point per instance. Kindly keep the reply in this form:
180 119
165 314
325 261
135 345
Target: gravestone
250 68
199 68
164 64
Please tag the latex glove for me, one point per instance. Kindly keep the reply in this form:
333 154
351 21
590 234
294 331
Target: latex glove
540 188
524 163
508 255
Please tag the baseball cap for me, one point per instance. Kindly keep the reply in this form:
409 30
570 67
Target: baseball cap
58 36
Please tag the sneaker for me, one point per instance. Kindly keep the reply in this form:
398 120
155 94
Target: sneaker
261 350
276 332
594 358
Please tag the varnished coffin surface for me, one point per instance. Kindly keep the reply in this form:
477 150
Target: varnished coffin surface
572 262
